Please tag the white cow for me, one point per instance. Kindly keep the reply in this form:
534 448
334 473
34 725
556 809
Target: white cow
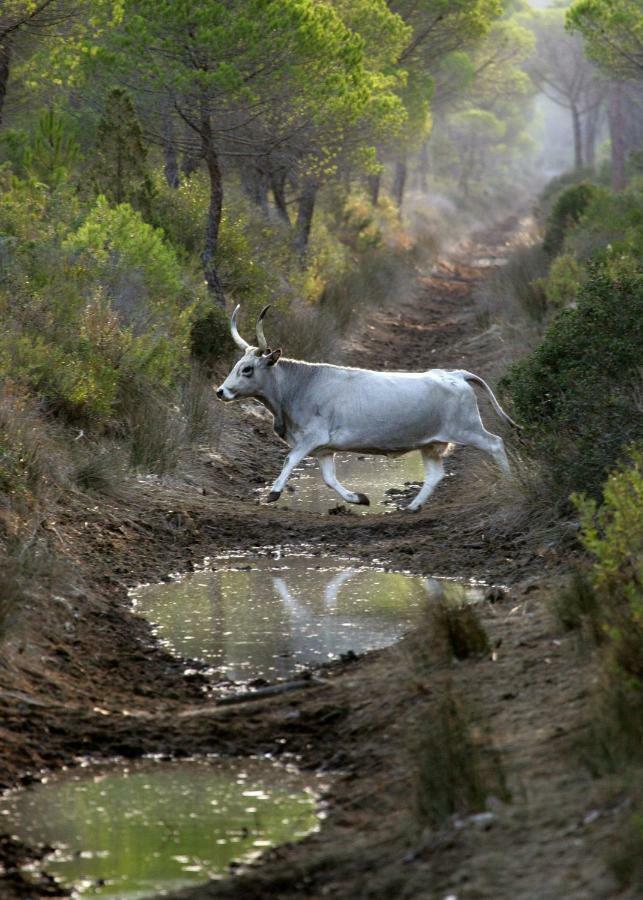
320 409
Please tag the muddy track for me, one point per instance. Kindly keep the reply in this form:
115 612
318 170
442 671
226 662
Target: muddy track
83 676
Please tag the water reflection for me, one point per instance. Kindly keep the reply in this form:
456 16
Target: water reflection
273 618
370 475
153 828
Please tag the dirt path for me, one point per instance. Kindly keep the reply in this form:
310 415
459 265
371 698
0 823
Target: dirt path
84 677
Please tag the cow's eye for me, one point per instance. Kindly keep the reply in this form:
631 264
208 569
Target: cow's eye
247 370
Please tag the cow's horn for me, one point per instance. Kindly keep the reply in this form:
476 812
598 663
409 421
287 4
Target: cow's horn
236 337
262 343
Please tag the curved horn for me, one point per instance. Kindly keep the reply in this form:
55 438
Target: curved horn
236 337
262 343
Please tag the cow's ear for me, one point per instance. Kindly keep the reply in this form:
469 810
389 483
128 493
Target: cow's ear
272 357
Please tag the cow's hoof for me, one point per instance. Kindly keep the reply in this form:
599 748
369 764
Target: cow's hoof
273 496
362 500
412 509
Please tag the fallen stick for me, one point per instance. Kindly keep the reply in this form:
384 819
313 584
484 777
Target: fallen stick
270 691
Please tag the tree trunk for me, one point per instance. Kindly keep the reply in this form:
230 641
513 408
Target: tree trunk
170 158
278 185
213 221
5 66
589 149
374 184
305 211
255 184
617 135
191 161
423 167
578 137
399 182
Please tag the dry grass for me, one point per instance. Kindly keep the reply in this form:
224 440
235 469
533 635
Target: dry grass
627 857
454 763
452 630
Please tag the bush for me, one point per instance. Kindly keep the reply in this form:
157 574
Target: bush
210 338
578 392
566 212
563 283
613 533
613 220
88 299
554 188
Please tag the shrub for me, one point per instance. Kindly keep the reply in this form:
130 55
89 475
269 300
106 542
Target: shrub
613 220
577 393
566 212
554 188
563 283
119 167
210 338
613 533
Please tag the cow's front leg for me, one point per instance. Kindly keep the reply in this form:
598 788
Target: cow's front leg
327 466
298 452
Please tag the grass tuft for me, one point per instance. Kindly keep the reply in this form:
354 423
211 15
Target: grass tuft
456 768
454 631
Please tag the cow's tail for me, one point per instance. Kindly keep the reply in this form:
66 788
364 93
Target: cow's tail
475 379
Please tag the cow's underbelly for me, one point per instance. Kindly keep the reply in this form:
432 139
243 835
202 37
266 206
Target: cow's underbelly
387 443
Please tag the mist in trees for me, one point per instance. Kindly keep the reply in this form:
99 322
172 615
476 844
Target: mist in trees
293 103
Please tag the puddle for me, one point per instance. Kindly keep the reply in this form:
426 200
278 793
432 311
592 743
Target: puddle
154 827
268 618
370 475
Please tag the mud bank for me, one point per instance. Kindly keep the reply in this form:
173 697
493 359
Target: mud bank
83 677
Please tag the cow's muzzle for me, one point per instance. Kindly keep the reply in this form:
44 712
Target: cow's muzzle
224 395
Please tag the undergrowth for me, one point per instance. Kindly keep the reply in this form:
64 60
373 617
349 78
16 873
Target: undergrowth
455 765
605 606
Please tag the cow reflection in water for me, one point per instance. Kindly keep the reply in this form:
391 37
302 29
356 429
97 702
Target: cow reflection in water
319 631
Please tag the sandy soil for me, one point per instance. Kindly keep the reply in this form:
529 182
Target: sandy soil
82 676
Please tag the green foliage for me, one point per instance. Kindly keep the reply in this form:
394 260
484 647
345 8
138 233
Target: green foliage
613 534
563 284
181 212
53 150
577 392
210 338
567 211
555 187
119 168
613 31
88 298
14 144
611 219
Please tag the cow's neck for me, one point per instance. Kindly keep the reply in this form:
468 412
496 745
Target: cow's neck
279 396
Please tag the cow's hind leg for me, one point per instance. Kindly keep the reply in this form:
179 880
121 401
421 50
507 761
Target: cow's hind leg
327 466
491 444
433 474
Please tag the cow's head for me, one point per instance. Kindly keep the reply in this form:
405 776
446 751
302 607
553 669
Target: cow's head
249 377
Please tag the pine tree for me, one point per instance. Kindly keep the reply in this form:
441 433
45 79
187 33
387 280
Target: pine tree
119 169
